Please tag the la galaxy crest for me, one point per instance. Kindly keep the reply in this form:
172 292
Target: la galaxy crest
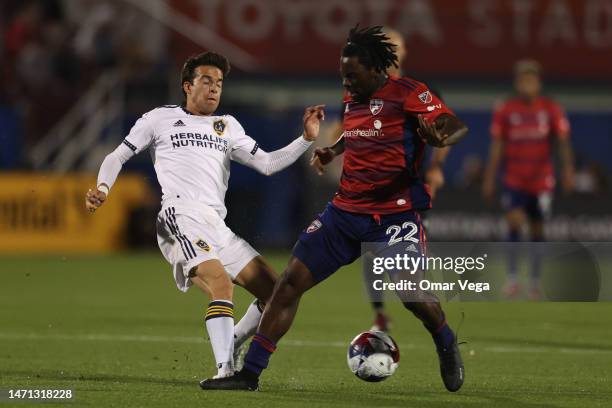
376 106
203 245
219 126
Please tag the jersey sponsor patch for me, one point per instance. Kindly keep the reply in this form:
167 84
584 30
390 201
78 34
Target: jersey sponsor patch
128 144
376 106
425 97
255 148
219 126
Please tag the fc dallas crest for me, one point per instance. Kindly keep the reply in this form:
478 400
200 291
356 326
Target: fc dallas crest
376 106
316 224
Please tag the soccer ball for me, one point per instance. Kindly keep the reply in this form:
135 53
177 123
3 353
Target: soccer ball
373 356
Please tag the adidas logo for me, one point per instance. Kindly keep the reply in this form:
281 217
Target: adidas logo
178 123
412 248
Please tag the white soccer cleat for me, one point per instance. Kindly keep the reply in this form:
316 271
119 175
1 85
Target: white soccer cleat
224 370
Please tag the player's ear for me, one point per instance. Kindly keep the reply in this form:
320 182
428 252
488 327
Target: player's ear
187 87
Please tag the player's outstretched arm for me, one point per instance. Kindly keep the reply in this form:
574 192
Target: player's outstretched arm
109 170
446 130
269 163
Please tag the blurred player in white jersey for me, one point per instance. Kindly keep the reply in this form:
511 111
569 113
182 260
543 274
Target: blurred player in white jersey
191 149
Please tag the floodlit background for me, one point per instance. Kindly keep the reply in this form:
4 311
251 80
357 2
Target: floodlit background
76 74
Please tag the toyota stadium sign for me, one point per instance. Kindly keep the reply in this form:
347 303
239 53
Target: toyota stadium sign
459 38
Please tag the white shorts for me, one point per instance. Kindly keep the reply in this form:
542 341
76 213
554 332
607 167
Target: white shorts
189 233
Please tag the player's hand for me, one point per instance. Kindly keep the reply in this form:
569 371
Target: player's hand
434 177
431 134
321 158
313 115
94 199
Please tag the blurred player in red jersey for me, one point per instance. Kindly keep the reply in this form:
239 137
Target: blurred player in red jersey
387 123
523 131
434 176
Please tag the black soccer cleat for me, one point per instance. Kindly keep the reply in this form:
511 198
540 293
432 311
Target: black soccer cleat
239 382
451 367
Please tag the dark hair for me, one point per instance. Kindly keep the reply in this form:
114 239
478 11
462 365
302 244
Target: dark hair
372 47
205 58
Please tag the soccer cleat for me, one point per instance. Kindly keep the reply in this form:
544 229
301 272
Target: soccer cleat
381 323
238 382
224 370
451 367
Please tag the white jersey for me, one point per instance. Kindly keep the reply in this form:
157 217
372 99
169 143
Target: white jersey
191 154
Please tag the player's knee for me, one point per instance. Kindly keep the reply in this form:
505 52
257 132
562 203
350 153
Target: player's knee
296 280
216 280
287 288
222 289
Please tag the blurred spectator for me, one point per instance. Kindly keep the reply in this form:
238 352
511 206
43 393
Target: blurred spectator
23 27
55 50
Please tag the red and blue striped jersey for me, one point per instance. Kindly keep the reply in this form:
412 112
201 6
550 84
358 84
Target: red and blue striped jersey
382 150
528 131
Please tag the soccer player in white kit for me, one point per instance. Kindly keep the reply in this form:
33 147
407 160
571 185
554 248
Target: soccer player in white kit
191 149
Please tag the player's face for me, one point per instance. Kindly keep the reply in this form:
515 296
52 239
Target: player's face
204 93
358 80
528 84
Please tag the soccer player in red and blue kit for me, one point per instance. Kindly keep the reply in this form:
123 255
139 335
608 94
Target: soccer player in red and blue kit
523 130
387 122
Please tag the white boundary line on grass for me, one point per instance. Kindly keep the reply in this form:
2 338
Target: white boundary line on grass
291 343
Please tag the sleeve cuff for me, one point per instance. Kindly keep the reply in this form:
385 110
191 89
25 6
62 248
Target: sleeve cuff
103 188
304 142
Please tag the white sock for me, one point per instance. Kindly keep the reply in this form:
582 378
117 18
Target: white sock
220 326
247 326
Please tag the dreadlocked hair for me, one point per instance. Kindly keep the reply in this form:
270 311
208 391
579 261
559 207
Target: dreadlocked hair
372 47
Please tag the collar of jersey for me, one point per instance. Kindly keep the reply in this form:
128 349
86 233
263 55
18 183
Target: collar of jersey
185 110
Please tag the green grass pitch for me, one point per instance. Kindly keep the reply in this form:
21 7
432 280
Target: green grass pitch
116 330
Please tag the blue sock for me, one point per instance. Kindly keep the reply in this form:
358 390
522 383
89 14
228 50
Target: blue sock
513 237
258 356
443 335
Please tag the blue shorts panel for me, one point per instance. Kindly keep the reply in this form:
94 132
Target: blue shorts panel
536 206
334 238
